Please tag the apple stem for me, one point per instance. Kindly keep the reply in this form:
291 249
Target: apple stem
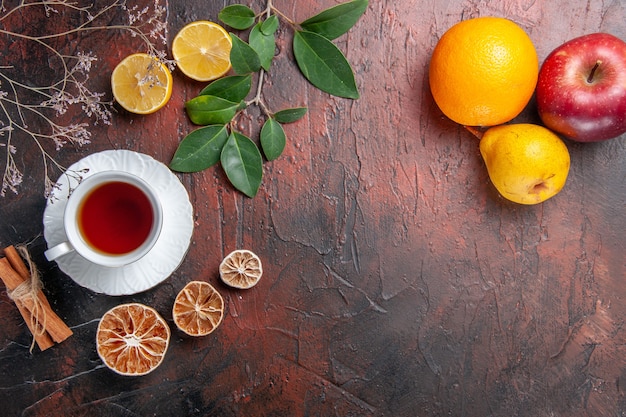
593 71
474 132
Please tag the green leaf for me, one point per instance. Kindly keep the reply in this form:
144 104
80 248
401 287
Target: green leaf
200 149
290 115
324 65
272 139
337 20
243 58
264 45
237 16
269 25
232 88
242 163
211 110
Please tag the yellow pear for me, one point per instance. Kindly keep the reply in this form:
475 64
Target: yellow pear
527 163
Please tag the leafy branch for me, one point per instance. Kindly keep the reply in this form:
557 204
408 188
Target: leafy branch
218 105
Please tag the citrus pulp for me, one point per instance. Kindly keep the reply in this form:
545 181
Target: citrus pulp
141 83
241 269
198 308
132 339
202 50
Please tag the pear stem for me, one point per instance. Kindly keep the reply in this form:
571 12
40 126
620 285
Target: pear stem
593 71
479 134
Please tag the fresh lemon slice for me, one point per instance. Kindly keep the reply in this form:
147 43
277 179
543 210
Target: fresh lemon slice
198 309
132 339
141 83
202 50
241 269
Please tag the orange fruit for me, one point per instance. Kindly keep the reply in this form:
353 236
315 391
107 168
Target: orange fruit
132 339
483 71
141 84
526 163
241 269
198 308
202 50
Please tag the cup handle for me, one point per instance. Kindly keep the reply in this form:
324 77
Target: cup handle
58 251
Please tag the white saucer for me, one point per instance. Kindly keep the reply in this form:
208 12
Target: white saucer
163 258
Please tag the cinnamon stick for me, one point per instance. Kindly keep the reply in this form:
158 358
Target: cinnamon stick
56 329
17 263
43 339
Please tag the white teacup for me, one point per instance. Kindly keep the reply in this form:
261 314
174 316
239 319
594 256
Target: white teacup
112 219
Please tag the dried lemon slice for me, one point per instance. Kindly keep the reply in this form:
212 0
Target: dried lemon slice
141 84
198 309
241 269
132 339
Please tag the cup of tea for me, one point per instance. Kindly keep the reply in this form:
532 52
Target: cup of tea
112 219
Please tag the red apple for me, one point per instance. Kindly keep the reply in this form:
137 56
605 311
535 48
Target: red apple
581 90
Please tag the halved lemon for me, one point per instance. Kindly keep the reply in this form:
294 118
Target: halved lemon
132 339
241 269
141 83
202 50
198 309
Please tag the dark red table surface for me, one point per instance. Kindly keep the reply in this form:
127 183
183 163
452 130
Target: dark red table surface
397 282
